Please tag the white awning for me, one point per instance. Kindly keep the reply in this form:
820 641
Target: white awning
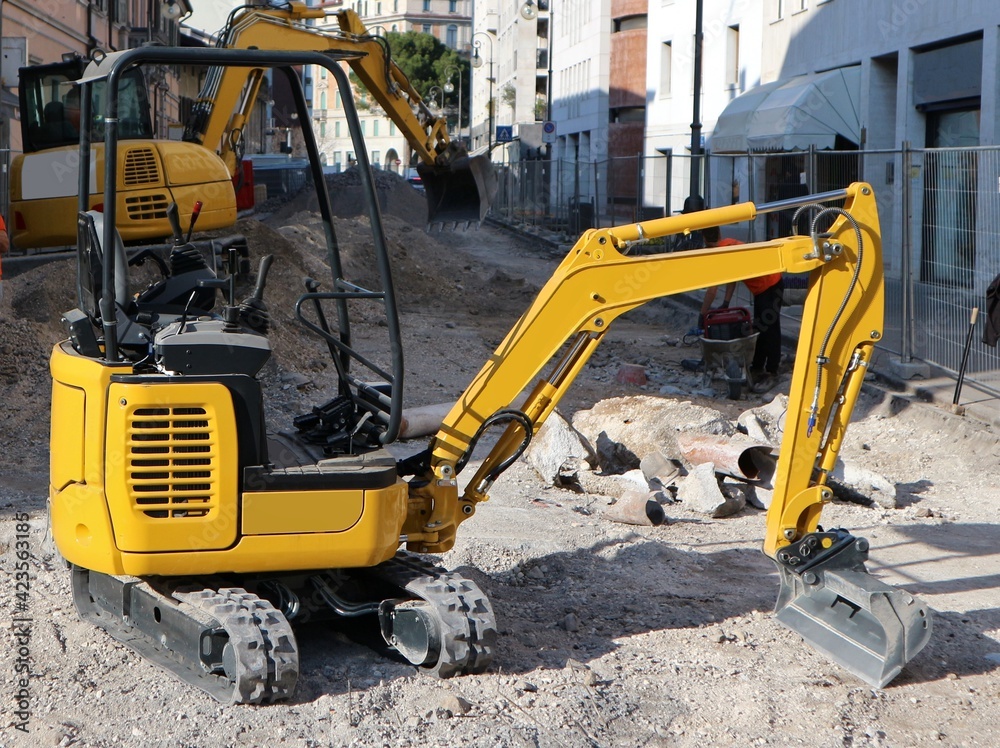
792 114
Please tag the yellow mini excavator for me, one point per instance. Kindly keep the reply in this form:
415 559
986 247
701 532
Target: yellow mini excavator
200 540
153 173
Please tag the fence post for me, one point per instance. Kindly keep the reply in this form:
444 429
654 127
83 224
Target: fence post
906 263
751 196
611 189
669 153
637 215
811 169
706 165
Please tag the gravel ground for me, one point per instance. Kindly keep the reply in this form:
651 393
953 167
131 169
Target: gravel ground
610 634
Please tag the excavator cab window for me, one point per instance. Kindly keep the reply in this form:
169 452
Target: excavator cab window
50 106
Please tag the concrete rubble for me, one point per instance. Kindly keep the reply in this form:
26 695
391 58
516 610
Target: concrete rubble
644 452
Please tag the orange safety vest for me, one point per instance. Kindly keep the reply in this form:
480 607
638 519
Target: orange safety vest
756 285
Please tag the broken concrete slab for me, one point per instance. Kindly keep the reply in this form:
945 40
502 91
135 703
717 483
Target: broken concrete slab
760 497
700 492
658 469
613 457
645 424
766 424
558 449
862 486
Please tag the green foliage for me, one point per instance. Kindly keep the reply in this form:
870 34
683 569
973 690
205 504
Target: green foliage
508 95
425 61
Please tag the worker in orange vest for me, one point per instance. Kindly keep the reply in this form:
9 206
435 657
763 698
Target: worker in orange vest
768 293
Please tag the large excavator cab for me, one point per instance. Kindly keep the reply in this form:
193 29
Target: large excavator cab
868 627
459 192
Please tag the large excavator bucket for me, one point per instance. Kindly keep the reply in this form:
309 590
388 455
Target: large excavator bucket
460 192
870 628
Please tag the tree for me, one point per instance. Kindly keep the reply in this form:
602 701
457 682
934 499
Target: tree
424 60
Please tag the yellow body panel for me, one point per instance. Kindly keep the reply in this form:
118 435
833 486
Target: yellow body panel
284 512
151 175
102 527
171 457
67 465
372 539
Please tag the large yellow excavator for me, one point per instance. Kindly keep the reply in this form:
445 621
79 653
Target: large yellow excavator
45 178
201 540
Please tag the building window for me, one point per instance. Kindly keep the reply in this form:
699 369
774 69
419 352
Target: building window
427 6
453 6
376 159
666 67
395 6
336 100
375 129
336 129
322 72
426 28
362 127
322 129
733 56
392 128
336 157
322 100
451 37
779 9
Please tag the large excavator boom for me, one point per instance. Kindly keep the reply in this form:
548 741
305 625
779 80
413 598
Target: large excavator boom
459 187
826 594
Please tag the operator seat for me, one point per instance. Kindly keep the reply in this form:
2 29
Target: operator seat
91 258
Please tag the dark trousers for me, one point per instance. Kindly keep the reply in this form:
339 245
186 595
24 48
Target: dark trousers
767 322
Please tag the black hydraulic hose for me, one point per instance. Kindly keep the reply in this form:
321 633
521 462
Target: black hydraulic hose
501 416
821 357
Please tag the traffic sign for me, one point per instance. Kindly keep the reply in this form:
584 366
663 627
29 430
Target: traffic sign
548 132
505 133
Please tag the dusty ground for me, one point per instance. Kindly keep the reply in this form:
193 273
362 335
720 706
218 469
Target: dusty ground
610 635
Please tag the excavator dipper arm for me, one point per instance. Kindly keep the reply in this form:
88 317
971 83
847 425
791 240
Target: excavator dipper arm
826 594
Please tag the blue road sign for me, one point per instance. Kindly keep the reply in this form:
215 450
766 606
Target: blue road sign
505 133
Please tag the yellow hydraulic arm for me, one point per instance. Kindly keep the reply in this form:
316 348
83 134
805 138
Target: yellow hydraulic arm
229 93
826 594
598 281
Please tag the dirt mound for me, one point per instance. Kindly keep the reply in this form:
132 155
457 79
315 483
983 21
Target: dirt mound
395 195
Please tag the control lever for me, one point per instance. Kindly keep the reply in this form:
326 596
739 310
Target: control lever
195 212
253 310
175 224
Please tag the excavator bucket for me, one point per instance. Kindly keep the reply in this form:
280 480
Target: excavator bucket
870 628
460 192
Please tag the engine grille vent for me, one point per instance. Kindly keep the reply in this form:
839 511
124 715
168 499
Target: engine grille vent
173 461
146 207
140 167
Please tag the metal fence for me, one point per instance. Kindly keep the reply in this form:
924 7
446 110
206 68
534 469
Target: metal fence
939 211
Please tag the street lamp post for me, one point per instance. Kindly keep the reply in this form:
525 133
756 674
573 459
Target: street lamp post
450 87
436 91
477 62
529 12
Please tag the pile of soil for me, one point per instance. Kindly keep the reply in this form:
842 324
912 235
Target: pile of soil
395 195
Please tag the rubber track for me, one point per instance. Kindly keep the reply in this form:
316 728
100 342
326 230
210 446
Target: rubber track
468 626
267 665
